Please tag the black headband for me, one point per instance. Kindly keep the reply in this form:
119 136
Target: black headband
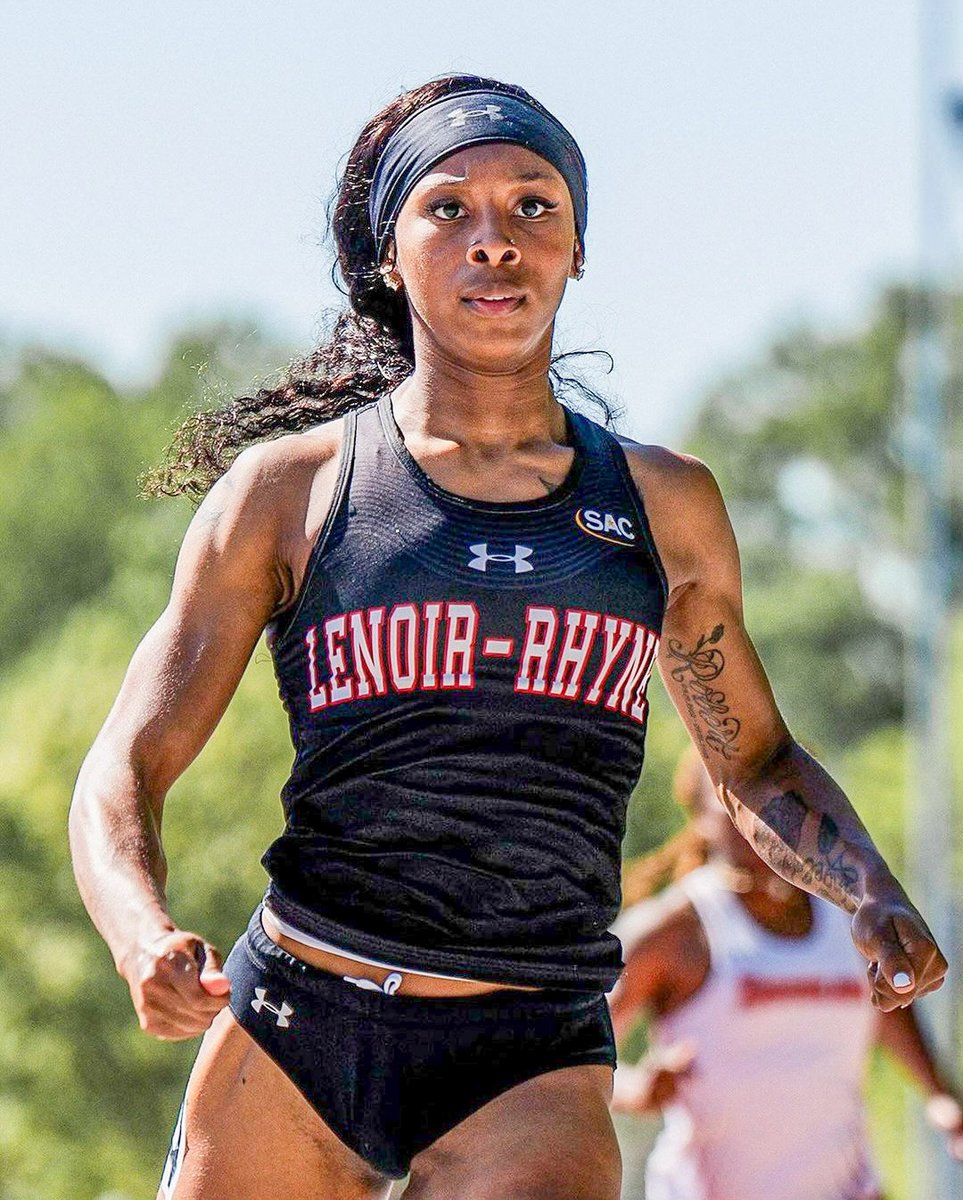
468 119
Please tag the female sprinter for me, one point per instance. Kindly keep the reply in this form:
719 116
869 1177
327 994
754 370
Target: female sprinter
761 1024
465 586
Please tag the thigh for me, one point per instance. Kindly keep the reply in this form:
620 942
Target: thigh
549 1138
249 1134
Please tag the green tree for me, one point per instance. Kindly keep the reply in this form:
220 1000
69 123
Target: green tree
809 446
86 1101
72 448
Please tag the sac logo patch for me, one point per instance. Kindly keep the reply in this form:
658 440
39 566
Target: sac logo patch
606 527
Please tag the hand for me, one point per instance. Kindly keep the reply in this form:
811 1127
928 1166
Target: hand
904 959
177 985
654 1082
945 1114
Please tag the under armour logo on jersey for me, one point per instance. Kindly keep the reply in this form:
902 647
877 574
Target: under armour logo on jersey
281 1013
483 558
458 118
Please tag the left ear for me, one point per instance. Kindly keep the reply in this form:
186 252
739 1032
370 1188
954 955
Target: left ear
578 262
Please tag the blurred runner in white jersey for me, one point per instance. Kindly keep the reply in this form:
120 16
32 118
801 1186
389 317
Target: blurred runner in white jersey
761 1024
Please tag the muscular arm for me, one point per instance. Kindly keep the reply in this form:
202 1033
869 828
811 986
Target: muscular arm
781 799
233 572
795 816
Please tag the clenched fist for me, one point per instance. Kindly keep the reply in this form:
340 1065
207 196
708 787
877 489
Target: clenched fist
904 959
176 984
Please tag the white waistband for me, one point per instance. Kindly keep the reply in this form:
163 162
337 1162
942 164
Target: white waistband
307 939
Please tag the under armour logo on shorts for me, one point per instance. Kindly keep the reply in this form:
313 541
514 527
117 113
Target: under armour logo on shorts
458 118
281 1013
482 558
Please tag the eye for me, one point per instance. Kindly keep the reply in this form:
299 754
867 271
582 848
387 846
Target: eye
447 210
534 206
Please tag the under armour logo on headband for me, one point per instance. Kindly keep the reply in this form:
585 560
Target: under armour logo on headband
458 118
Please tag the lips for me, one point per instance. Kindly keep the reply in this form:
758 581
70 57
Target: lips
495 302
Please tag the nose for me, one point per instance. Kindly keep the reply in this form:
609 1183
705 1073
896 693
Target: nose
494 247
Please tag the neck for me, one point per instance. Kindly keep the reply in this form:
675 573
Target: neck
447 399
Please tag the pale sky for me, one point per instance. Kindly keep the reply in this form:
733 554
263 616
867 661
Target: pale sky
752 164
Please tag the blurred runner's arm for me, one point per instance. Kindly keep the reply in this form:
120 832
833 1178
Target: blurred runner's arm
900 1034
666 962
228 582
791 811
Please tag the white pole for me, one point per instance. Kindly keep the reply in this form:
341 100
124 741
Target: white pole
930 808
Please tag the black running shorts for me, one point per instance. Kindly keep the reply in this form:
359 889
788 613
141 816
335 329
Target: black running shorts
391 1074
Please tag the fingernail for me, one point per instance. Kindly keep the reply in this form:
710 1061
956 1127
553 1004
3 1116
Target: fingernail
901 980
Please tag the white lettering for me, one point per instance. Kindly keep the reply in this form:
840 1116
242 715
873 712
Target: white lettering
628 695
403 644
432 615
366 651
541 626
617 633
317 692
574 655
460 631
335 629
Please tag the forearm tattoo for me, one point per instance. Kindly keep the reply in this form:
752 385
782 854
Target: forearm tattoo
778 836
828 834
710 718
785 815
819 860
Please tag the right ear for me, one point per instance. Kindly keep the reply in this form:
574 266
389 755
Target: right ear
388 271
578 262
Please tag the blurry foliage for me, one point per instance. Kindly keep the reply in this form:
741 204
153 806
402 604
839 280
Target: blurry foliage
810 446
86 1101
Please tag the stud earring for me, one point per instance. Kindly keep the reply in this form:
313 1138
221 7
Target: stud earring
387 272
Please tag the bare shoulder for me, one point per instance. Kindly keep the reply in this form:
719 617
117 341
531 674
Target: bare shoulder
657 469
685 510
269 470
264 514
272 483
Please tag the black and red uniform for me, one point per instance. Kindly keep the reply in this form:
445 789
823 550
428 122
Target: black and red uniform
466 688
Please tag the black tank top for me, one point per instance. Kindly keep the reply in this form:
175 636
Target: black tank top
465 682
